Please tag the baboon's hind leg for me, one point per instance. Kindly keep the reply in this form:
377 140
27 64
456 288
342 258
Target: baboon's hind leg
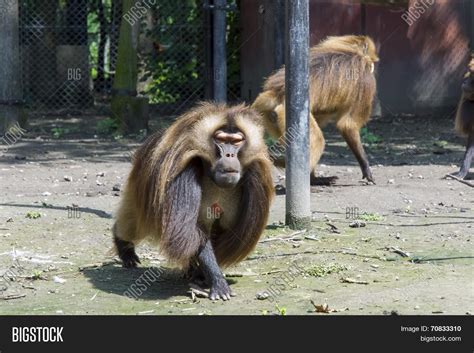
317 144
468 156
351 133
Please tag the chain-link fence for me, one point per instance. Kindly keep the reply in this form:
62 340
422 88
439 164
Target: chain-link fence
69 51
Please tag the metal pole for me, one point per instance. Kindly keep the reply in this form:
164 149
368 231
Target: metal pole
219 51
208 76
298 211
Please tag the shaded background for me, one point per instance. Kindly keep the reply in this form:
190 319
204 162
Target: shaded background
421 65
420 69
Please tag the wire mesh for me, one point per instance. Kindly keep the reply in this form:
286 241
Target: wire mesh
69 51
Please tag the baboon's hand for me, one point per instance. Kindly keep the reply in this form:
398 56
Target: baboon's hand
220 290
130 260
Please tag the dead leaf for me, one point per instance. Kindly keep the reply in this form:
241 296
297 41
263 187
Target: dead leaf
324 308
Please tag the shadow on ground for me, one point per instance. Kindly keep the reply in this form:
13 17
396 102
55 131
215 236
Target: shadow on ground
118 280
406 140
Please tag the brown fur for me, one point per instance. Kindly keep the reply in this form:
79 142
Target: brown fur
168 190
465 119
342 89
465 113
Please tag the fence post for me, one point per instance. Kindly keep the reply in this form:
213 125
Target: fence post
208 53
298 211
130 111
10 72
219 51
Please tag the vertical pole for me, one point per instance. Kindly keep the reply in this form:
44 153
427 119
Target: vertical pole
207 49
219 51
10 70
471 17
298 211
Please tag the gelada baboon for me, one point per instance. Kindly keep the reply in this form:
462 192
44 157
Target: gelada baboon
202 191
465 119
342 89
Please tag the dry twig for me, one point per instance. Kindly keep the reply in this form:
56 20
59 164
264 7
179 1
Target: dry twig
352 280
292 237
13 296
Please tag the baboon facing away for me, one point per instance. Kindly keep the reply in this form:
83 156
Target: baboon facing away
202 191
465 119
342 90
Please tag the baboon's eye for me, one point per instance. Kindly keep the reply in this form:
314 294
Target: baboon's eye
237 139
232 138
220 136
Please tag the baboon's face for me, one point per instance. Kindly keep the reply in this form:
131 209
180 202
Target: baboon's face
226 171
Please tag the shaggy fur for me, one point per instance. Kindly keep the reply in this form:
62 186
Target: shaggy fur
342 90
169 184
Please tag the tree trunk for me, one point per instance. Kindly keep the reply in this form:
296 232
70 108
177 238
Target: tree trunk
127 109
100 80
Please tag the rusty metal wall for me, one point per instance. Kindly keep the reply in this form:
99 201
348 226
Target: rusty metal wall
421 65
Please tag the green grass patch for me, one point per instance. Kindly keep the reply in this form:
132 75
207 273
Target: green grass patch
59 132
33 215
370 217
107 126
368 137
324 270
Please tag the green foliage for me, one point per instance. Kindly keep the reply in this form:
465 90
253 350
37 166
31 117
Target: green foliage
59 132
370 217
176 70
324 270
93 28
173 67
33 215
233 55
107 126
368 137
36 274
281 311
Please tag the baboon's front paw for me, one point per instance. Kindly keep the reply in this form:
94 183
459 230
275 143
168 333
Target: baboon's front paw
220 290
130 259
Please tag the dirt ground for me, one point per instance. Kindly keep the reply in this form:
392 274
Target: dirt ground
414 256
